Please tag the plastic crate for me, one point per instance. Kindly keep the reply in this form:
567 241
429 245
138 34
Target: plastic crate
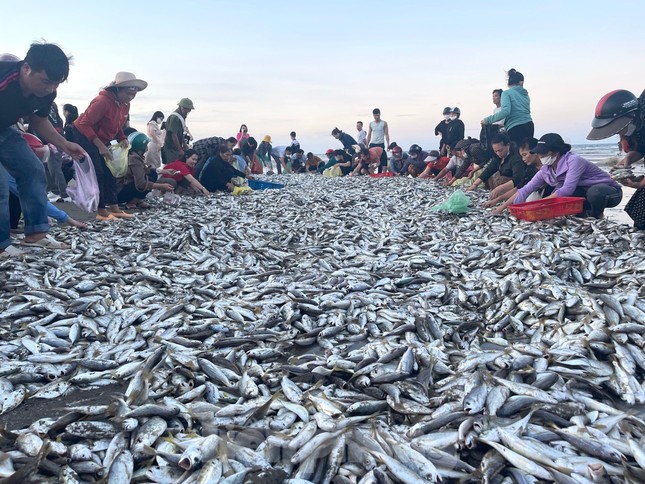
263 185
547 208
387 174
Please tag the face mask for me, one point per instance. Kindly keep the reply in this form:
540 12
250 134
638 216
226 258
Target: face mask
465 156
548 160
159 120
452 117
446 117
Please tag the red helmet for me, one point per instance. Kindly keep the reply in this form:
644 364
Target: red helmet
614 111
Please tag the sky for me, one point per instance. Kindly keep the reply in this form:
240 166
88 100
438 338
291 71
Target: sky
309 66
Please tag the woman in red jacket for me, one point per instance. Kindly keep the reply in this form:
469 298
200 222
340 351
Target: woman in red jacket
101 123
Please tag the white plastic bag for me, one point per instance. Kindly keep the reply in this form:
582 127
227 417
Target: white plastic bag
85 194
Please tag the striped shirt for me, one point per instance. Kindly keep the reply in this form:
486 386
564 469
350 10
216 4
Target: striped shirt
13 104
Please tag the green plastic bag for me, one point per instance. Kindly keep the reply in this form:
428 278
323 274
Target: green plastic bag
457 203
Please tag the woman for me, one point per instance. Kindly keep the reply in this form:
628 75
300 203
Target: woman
532 161
218 171
241 135
156 135
249 145
515 109
183 174
101 123
571 176
141 178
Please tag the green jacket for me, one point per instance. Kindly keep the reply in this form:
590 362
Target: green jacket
515 108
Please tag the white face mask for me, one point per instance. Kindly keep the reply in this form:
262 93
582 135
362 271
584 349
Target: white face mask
446 117
548 160
465 156
452 117
159 120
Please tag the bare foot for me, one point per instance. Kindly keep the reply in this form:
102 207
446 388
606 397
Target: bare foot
76 223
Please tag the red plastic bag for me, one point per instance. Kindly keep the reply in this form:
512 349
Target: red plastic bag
85 194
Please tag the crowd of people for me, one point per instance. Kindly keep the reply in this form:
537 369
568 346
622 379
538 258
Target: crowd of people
37 149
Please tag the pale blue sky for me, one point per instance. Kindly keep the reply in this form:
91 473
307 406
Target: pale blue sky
311 66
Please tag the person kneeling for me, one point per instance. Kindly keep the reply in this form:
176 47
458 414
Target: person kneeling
140 179
571 176
218 172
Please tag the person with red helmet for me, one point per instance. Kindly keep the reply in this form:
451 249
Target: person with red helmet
621 112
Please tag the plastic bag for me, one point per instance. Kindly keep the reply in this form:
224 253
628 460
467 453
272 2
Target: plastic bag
118 165
333 171
85 194
241 190
457 203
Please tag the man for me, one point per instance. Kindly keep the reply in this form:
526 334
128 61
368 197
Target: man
497 101
206 148
281 155
295 144
377 135
362 134
28 88
347 141
175 142
298 161
369 159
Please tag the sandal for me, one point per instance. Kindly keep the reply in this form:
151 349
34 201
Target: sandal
47 242
122 215
11 251
143 205
105 217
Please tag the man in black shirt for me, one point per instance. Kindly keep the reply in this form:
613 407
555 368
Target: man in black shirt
28 88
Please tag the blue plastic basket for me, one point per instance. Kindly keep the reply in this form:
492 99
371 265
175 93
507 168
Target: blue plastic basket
262 185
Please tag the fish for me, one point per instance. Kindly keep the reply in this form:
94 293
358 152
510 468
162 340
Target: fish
364 339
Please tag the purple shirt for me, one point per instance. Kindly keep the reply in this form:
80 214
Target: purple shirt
572 171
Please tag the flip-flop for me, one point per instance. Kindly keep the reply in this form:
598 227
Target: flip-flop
104 217
47 242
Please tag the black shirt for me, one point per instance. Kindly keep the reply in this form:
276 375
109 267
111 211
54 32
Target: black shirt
13 104
455 132
511 167
217 173
442 129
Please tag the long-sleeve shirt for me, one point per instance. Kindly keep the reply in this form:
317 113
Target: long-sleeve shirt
455 132
515 108
572 171
418 162
347 141
512 167
137 173
104 118
217 173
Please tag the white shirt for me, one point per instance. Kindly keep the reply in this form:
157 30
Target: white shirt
362 136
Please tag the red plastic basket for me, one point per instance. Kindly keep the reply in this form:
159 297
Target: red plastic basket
547 208
387 174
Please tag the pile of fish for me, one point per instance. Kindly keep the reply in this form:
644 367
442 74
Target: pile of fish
333 331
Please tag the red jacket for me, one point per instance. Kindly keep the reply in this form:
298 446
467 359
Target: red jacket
104 118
